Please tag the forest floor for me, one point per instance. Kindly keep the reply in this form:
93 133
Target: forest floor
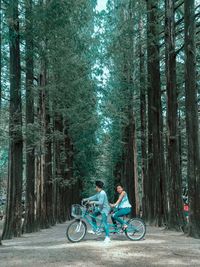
51 248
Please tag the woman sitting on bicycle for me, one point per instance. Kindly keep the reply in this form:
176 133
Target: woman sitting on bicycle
122 205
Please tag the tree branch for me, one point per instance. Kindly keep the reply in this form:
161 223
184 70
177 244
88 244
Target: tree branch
180 4
180 49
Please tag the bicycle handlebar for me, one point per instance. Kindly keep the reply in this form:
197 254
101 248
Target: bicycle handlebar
84 201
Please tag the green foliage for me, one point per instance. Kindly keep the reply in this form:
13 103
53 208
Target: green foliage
88 55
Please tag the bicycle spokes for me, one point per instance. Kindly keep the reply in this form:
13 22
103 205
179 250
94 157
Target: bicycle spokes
136 229
76 231
78 227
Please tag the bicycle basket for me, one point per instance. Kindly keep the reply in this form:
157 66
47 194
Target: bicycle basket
77 211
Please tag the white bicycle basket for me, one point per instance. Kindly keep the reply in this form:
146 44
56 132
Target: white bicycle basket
77 211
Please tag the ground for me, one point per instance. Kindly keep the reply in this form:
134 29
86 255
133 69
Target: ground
50 248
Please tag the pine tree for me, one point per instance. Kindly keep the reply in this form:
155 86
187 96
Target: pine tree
192 124
30 151
12 226
175 217
156 168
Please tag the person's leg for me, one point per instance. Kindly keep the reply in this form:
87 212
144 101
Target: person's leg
121 213
105 223
95 214
113 220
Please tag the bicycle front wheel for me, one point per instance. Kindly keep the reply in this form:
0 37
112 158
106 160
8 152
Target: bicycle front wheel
136 229
76 231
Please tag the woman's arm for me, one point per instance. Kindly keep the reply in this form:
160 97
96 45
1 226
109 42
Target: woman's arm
119 199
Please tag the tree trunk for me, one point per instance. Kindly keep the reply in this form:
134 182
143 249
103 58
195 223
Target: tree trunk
0 78
0 58
44 149
192 124
175 216
130 163
12 226
48 166
156 168
59 142
143 118
30 223
71 195
129 170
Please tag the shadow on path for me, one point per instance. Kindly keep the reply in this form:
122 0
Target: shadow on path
51 248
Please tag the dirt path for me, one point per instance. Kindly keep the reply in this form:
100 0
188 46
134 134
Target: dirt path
51 248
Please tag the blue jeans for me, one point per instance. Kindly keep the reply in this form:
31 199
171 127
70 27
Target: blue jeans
104 220
121 212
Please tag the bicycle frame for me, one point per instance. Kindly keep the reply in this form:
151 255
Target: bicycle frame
88 218
79 226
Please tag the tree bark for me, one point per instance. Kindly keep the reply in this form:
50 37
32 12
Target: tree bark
59 142
156 168
0 77
0 58
48 166
44 146
192 124
130 165
143 119
175 216
30 222
72 194
12 226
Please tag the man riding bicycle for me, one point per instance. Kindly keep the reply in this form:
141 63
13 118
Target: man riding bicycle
101 200
134 228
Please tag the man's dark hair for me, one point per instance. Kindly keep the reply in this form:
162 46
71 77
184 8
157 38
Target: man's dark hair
99 184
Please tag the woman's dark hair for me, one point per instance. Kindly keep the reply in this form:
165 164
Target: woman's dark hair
99 184
119 185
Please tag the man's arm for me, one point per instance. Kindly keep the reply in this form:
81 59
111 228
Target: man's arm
100 199
92 198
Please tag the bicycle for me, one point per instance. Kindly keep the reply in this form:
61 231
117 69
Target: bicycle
77 229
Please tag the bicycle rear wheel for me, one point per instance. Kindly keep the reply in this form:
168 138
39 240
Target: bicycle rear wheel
76 231
136 229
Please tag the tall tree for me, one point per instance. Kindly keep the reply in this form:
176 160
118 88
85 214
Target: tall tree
143 109
192 123
0 72
175 216
156 168
129 154
12 226
0 57
44 172
30 151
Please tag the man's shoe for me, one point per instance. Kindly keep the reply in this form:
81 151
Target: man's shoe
94 232
91 232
